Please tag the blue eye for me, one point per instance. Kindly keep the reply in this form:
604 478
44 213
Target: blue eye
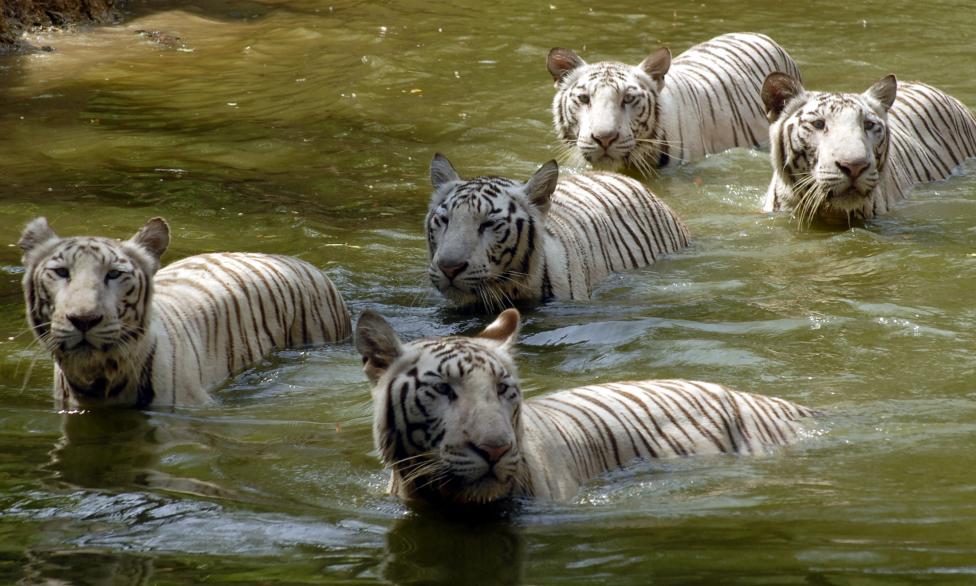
583 98
112 275
62 272
819 124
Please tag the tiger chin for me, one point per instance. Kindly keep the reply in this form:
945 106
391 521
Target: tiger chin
493 241
842 158
124 333
450 422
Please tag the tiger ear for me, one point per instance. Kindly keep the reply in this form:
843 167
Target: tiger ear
36 233
885 90
561 61
153 238
504 329
657 65
541 186
442 171
777 91
378 344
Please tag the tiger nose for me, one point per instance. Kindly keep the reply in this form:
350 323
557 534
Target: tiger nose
605 139
852 169
452 270
85 322
491 454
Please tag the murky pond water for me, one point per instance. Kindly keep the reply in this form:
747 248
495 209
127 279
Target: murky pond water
306 128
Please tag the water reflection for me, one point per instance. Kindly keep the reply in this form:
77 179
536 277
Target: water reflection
85 567
121 448
437 547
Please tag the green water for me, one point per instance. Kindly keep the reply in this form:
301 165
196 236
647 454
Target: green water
306 128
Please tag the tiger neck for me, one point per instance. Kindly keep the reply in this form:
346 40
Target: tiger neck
118 377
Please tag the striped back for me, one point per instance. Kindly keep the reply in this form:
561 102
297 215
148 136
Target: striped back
932 133
593 429
222 312
714 95
600 223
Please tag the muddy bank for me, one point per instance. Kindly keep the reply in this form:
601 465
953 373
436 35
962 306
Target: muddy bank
18 16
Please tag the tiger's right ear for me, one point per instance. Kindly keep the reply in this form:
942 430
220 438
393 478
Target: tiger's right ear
378 344
777 91
36 233
153 238
442 171
657 65
561 61
504 329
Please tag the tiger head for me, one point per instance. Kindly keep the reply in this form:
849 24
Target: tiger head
608 112
828 149
89 297
446 411
484 234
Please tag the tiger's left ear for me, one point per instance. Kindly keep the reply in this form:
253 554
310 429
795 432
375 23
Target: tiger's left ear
561 61
504 329
777 91
542 185
36 233
153 238
378 344
885 90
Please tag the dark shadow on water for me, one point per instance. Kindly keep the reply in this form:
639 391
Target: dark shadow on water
455 547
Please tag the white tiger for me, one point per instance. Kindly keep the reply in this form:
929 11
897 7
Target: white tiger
647 116
839 157
492 240
450 421
120 337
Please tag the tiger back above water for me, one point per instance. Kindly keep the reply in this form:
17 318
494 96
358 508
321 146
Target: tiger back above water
450 421
658 113
493 241
841 157
124 335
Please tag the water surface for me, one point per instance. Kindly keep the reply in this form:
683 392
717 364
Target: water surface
306 128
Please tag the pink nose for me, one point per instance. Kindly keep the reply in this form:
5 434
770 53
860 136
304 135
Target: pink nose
852 169
452 270
605 139
492 454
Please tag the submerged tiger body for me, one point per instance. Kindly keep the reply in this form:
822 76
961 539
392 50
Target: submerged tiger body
493 241
122 337
657 113
450 421
839 157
